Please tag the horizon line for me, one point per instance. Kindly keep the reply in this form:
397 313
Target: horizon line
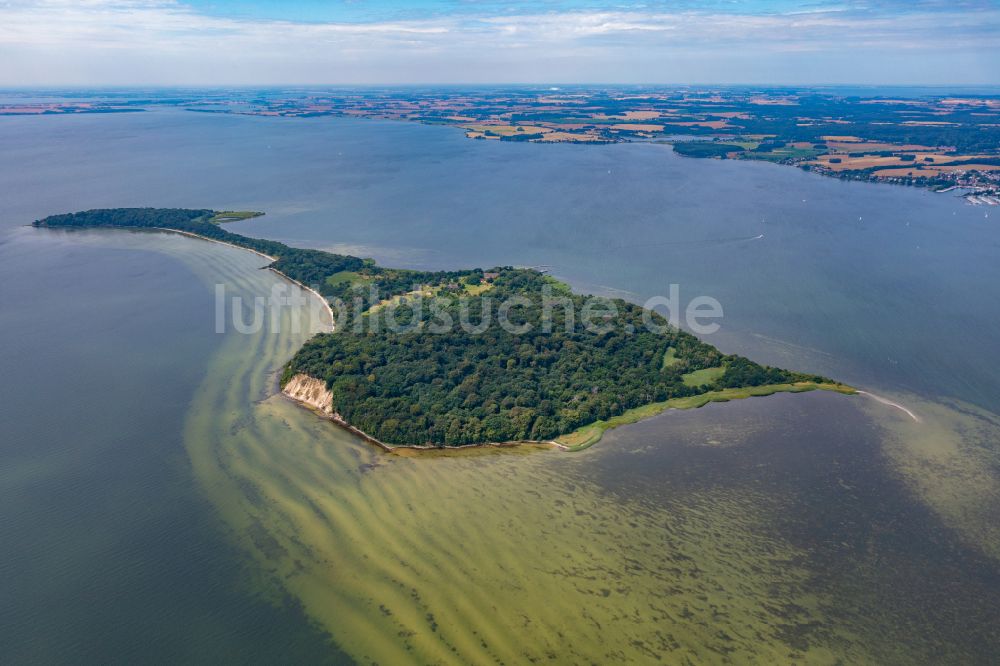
215 86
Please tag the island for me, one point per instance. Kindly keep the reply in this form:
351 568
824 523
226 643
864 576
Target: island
503 356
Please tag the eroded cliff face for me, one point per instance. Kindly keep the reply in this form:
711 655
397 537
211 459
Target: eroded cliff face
313 393
310 391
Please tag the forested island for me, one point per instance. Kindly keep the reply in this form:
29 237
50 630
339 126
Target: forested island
417 358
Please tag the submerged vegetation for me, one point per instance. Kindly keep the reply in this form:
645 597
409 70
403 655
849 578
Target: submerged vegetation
402 369
588 435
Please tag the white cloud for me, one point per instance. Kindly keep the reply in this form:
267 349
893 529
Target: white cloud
165 42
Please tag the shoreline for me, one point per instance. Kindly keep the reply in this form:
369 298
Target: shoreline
918 183
588 435
326 304
312 394
191 234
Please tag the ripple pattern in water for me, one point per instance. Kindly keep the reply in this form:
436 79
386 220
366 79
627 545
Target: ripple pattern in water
516 557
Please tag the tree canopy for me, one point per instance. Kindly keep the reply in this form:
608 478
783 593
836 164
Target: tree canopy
421 357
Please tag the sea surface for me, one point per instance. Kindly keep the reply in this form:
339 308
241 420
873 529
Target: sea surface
159 503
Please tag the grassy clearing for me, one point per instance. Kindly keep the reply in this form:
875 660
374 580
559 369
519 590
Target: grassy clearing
670 358
234 215
702 377
638 127
506 130
589 435
477 289
877 146
788 153
938 160
343 276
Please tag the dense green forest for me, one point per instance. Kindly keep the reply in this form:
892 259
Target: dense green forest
418 386
310 267
705 149
307 266
427 379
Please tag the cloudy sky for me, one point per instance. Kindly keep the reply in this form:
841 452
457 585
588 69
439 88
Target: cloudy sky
213 42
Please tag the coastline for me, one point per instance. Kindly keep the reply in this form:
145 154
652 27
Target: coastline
860 175
213 240
312 394
326 304
588 435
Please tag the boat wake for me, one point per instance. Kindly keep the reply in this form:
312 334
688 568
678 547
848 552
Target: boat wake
704 241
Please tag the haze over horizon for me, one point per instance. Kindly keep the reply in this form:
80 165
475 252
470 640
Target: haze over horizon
297 42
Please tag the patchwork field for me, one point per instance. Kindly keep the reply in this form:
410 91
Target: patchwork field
804 124
844 162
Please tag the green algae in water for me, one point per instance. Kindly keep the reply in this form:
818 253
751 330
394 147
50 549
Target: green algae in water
894 573
526 555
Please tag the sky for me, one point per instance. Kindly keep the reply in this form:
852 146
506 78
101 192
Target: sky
297 42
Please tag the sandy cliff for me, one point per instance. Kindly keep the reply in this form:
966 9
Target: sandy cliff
310 391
